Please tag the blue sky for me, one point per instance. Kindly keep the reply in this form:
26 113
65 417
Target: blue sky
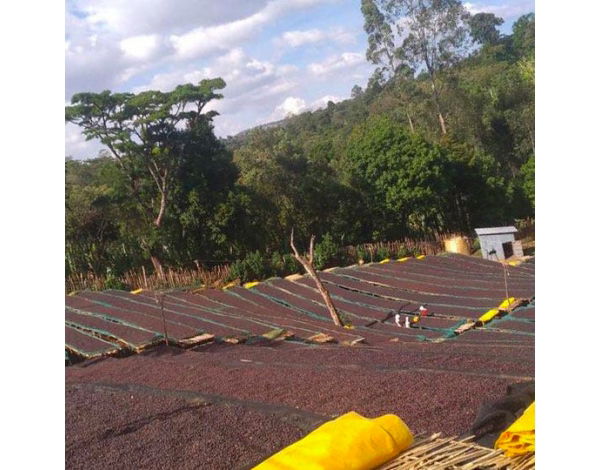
278 57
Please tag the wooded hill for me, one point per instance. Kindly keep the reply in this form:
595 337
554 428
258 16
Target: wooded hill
441 140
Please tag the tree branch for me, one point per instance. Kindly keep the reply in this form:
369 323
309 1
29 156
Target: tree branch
307 263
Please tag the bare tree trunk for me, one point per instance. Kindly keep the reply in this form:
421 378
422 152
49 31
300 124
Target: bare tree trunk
158 268
161 211
410 123
442 123
531 138
145 278
436 99
160 300
307 263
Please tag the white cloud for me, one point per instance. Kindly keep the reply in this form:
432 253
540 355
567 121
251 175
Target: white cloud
299 38
322 102
347 60
140 47
291 105
254 87
203 41
160 33
139 17
504 11
286 69
312 36
209 39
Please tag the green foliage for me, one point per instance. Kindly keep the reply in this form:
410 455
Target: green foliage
381 253
528 176
523 38
404 251
238 271
253 267
113 282
284 265
256 267
401 175
166 151
326 253
484 28
362 254
290 265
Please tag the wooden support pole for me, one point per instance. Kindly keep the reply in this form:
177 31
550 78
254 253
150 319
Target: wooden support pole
161 302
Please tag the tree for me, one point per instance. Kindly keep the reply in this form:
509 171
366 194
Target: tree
429 35
523 37
96 206
403 177
484 28
381 45
381 51
151 135
528 176
356 92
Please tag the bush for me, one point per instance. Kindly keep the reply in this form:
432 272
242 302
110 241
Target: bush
381 253
326 252
113 282
277 264
236 271
362 254
404 251
257 267
253 267
283 265
344 258
290 265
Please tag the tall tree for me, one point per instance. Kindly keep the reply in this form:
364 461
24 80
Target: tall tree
429 35
484 28
523 37
381 42
149 134
381 51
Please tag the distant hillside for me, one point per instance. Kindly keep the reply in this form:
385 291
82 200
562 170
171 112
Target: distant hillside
238 139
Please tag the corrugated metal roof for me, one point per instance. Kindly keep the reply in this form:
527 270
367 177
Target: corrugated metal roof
495 230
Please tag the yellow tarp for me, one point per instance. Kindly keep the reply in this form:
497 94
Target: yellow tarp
519 438
350 442
487 316
506 302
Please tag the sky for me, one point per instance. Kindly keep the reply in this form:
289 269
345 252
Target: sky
278 57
